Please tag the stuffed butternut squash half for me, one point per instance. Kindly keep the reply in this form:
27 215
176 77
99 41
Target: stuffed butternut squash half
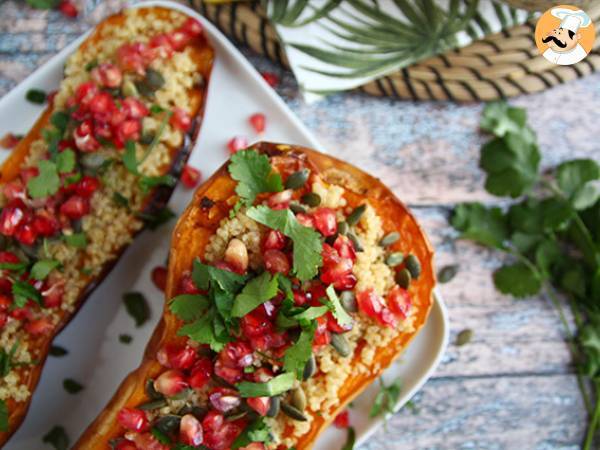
100 162
294 280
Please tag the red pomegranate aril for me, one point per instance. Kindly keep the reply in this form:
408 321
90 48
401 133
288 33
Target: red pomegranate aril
128 130
261 375
325 221
176 356
322 336
26 234
75 207
101 104
274 240
342 420
14 190
334 326
45 225
306 220
161 46
28 173
3 319
53 295
9 141
192 27
373 306
258 122
346 282
133 419
39 326
159 277
201 373
219 434
190 177
237 143
87 186
8 257
237 354
336 272
254 446
124 444
170 383
330 255
271 78
146 441
130 57
68 9
230 374
300 298
259 404
268 341
5 302
21 313
134 108
224 399
399 302
344 247
236 255
256 323
180 120
280 200
107 75
276 262
102 130
10 219
85 92
178 39
187 286
84 139
190 430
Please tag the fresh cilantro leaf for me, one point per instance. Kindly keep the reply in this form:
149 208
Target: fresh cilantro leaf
156 219
23 292
572 175
587 195
223 301
188 307
386 399
91 65
518 280
77 240
547 254
350 439
258 290
3 416
275 386
254 174
556 214
137 307
6 359
156 109
257 431
42 268
307 242
35 95
297 355
574 280
46 183
65 161
340 314
499 119
486 226
120 200
589 337
13 267
125 338
60 120
205 276
57 437
58 351
203 331
72 386
147 183
311 313
130 158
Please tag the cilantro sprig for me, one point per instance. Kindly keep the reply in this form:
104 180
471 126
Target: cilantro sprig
551 235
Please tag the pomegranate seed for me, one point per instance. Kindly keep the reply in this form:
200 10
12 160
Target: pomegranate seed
107 75
9 257
176 356
45 225
346 282
342 420
133 419
186 285
87 186
306 220
300 298
53 295
274 240
219 434
29 173
101 104
325 221
146 441
159 277
237 143
237 354
14 190
128 130
26 234
9 141
276 262
134 108
192 27
102 130
258 122
333 273
180 120
201 373
3 319
236 255
399 302
21 313
190 177
84 140
39 326
5 302
256 323
68 9
322 335
280 200
259 404
130 57
170 383
230 374
10 219
262 375
178 39
344 247
190 430
124 444
161 46
372 305
75 207
224 399
269 341
254 446
85 92
334 326
271 78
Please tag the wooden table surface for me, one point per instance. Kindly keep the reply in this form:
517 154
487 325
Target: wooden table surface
512 387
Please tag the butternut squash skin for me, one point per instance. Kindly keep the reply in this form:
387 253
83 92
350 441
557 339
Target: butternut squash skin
211 203
203 54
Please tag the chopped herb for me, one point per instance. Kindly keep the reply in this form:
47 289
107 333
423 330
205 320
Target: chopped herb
155 220
386 399
77 240
42 268
204 331
311 313
57 437
137 307
340 314
156 109
23 292
72 386
46 183
87 271
65 161
125 338
350 439
13 267
120 200
275 386
3 416
58 351
258 290
6 360
130 158
297 355
206 276
36 96
257 431
189 307
91 65
147 183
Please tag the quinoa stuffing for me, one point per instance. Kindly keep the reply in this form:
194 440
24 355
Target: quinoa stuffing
294 294
118 119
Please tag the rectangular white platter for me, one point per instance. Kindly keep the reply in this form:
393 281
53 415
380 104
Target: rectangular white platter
96 358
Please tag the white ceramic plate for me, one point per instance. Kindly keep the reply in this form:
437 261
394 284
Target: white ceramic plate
96 357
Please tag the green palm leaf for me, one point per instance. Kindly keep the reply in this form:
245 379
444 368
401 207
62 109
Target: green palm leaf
282 13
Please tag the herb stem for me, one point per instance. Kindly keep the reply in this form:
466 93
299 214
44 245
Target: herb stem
591 431
156 139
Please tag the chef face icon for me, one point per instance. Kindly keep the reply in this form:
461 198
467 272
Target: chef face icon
564 35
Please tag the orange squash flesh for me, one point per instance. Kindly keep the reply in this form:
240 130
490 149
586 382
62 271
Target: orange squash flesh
211 203
203 54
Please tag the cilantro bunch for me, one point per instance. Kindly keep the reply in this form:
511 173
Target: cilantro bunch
551 234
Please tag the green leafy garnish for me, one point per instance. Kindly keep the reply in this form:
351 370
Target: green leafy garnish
257 431
77 240
155 220
338 311
42 268
60 120
137 307
72 386
258 290
46 183
275 386
57 437
487 226
386 399
36 95
206 330
297 355
120 200
254 174
3 416
307 242
188 307
518 280
310 313
350 439
206 277
65 161
23 292
160 436
6 360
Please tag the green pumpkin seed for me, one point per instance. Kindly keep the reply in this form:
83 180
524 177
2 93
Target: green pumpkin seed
92 161
298 399
343 228
151 392
413 265
236 415
183 394
341 345
153 404
394 259
355 241
464 337
297 208
196 411
348 301
403 278
129 89
168 424
310 368
356 214
274 407
297 179
292 412
147 138
311 199
154 79
389 239
446 273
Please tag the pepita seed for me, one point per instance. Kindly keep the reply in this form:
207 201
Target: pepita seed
168 423
274 407
151 392
292 412
403 278
236 415
413 265
348 301
394 259
389 239
297 179
446 273
310 368
297 208
129 89
147 138
355 241
153 404
340 343
154 79
356 214
343 228
464 337
311 199
93 161
183 394
298 399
